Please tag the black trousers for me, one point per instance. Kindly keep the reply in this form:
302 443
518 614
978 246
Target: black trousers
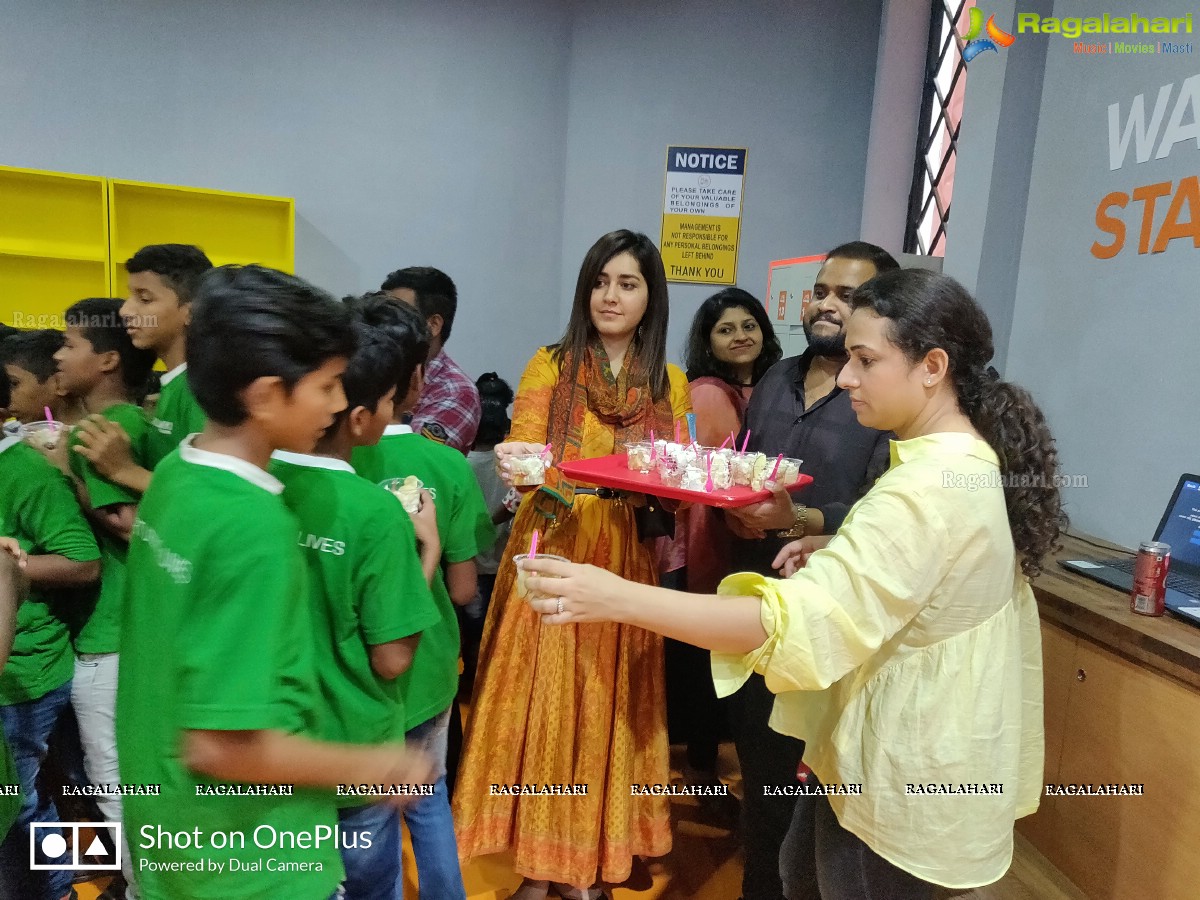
695 716
821 860
767 758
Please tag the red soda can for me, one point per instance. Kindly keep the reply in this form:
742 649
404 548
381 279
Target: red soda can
1149 596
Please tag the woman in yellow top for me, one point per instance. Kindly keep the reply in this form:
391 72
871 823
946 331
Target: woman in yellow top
583 705
905 649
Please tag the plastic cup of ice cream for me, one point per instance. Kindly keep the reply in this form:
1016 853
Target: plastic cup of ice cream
43 435
522 588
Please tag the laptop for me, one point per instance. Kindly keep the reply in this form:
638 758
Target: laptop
1179 527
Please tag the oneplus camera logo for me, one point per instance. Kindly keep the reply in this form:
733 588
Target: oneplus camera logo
55 846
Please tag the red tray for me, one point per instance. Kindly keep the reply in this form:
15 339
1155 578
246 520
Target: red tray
613 472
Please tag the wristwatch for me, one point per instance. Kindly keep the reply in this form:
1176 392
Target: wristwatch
799 526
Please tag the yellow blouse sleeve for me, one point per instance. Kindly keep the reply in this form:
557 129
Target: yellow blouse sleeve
531 407
681 396
833 615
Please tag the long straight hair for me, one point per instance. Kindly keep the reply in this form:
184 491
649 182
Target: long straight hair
649 345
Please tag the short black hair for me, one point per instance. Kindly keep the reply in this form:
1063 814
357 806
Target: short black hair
384 357
181 266
251 322
862 250
100 323
435 291
409 330
698 357
7 331
154 383
495 395
33 351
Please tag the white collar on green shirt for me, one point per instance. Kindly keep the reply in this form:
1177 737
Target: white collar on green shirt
224 461
312 461
955 443
394 429
167 377
9 441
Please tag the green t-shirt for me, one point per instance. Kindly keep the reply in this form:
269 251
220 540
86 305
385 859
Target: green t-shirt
101 632
465 528
216 637
176 415
38 508
366 587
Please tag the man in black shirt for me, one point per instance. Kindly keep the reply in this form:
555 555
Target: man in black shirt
798 410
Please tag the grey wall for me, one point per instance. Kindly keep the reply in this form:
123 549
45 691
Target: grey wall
495 141
1001 119
895 121
408 132
790 81
1108 347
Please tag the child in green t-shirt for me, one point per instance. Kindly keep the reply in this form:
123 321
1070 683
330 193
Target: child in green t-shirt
99 365
368 590
162 280
32 375
13 589
218 686
38 509
431 683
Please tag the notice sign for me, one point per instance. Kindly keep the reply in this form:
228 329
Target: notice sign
702 213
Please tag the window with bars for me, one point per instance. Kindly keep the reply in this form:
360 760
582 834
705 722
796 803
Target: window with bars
937 140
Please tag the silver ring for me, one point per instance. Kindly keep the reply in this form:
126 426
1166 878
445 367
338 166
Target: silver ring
560 606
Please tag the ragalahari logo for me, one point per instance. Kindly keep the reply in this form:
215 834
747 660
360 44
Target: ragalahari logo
975 44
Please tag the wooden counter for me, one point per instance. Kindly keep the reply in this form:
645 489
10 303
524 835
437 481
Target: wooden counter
1122 707
1082 606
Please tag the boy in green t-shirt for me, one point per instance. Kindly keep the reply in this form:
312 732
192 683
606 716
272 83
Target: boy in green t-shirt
13 589
38 509
99 366
217 680
368 590
162 280
32 376
430 686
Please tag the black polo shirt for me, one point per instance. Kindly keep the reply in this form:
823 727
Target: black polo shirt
843 457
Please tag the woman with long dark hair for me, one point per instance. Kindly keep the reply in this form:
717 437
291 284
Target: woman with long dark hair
730 346
905 648
583 705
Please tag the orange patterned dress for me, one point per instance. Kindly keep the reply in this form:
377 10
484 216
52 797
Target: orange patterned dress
567 704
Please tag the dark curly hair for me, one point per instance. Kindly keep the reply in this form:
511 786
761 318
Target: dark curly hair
927 310
698 357
495 396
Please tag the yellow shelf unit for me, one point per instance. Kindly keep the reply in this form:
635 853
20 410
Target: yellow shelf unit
229 227
53 244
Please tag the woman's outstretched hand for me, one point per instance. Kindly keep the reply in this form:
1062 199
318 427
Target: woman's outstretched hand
583 593
794 556
509 449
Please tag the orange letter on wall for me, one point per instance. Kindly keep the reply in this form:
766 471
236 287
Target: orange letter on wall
1110 225
1149 193
1172 228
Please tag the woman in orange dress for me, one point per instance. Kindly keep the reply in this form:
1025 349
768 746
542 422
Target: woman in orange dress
578 706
